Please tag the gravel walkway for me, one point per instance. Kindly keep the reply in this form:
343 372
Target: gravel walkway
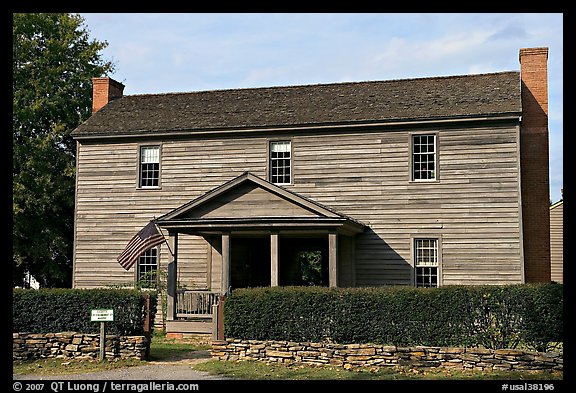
173 369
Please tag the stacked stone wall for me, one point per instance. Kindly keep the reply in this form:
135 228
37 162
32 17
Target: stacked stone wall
385 355
77 345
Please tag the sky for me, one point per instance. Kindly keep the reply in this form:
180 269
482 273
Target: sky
162 53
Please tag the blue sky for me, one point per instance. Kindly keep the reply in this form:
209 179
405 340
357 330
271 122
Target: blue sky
160 53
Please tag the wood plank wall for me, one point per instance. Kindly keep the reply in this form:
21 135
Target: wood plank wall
473 208
557 242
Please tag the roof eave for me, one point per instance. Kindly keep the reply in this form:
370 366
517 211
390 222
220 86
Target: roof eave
340 224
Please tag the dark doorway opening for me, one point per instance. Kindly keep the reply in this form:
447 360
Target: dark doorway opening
304 261
250 262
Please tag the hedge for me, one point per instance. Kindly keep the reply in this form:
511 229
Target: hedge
489 316
62 310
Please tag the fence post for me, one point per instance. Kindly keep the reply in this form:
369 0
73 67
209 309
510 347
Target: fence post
102 341
218 319
215 321
147 323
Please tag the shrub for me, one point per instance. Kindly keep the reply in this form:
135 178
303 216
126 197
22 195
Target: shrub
59 310
491 316
544 316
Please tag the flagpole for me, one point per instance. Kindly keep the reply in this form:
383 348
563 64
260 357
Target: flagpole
160 230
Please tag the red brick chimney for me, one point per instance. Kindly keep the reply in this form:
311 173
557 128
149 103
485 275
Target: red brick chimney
534 174
105 90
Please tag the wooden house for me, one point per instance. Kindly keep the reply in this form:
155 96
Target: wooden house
557 241
415 182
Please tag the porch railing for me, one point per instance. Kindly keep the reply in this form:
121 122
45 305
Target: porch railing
197 304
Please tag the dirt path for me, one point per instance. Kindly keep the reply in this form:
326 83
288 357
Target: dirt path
176 368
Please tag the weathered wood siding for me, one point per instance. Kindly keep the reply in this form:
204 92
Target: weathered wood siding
557 242
249 201
473 208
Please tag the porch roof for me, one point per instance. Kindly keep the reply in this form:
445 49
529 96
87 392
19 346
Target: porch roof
250 203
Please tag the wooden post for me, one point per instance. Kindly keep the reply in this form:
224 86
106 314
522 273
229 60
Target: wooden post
215 321
102 341
220 334
225 263
147 324
274 265
172 278
147 314
333 259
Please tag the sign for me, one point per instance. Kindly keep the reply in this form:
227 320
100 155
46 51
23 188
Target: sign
102 315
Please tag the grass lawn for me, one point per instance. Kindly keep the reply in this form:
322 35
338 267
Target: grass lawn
53 366
255 370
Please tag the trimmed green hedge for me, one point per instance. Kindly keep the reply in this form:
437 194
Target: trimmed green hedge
61 310
491 316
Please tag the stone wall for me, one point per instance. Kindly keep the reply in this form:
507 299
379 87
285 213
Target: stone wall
379 355
77 345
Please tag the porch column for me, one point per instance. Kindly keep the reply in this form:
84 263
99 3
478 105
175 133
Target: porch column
274 272
172 277
333 259
225 263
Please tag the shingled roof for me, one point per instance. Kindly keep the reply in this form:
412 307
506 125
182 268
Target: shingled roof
485 95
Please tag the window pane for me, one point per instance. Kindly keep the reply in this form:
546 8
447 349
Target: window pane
150 166
148 268
280 162
150 154
426 262
427 277
423 157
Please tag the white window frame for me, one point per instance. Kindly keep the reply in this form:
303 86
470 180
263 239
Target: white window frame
141 157
144 261
271 161
435 263
414 154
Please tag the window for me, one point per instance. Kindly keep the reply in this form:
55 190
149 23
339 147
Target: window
280 162
423 157
147 268
149 166
426 262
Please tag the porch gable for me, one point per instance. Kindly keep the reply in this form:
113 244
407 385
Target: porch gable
249 200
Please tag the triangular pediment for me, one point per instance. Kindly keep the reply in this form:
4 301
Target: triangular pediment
249 196
247 200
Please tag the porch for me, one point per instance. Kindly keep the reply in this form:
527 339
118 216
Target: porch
256 234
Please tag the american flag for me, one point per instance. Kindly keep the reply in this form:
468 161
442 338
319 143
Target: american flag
144 240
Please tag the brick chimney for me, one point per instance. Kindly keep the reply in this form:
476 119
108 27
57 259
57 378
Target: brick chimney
105 90
534 164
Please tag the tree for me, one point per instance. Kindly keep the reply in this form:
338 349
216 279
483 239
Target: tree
53 63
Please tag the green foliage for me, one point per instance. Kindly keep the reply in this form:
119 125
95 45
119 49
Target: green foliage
60 310
498 315
310 267
544 317
489 316
53 63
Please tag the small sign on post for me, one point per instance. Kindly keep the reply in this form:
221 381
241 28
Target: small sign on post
102 316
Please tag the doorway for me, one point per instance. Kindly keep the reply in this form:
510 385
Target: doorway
304 261
250 261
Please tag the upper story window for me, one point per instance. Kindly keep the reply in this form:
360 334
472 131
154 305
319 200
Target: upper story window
424 157
426 262
149 176
281 162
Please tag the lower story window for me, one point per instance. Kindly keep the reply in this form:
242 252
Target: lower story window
426 262
148 268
